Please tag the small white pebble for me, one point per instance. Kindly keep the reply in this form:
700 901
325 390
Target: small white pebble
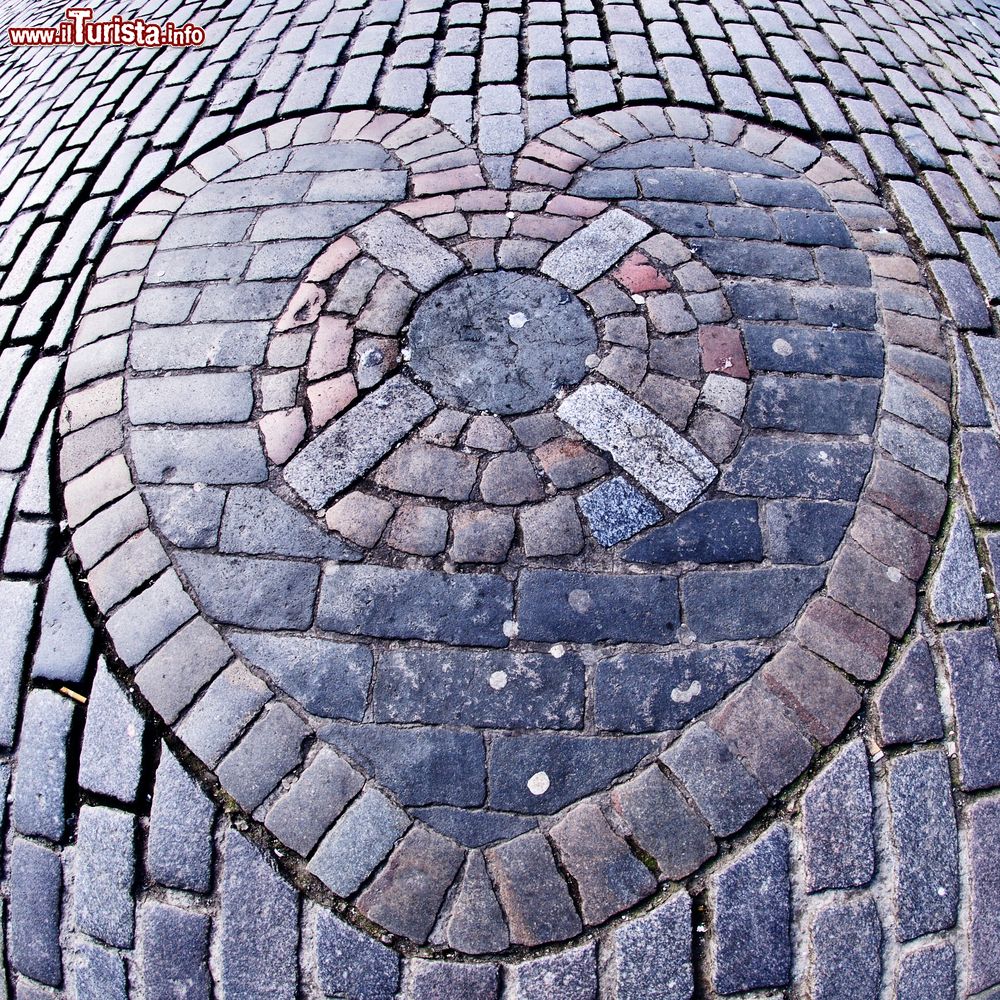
684 695
498 680
558 650
894 574
510 629
538 783
510 215
592 360
638 299
517 320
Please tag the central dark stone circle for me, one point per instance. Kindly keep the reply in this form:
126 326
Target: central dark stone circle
504 342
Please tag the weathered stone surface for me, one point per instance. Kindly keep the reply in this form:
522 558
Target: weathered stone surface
111 756
551 528
588 607
258 926
651 956
608 877
415 604
541 773
778 467
447 980
662 823
173 944
837 823
406 895
927 974
501 341
975 688
853 643
17 607
725 531
400 246
252 592
63 647
475 923
179 844
327 678
880 593
100 974
430 471
39 787
724 791
983 932
266 753
957 594
583 257
925 839
673 470
350 963
616 510
642 692
570 975
420 530
216 455
35 901
805 531
753 946
535 899
256 522
357 441
845 945
421 766
483 536
104 870
906 706
480 688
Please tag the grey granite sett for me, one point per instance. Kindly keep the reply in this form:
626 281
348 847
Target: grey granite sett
746 604
63 647
258 925
217 455
666 464
397 244
154 614
572 765
179 842
198 345
308 809
421 766
651 956
462 609
486 688
724 791
925 839
358 841
589 607
845 945
190 399
572 974
713 531
577 261
173 943
104 871
616 510
350 963
655 692
266 753
957 594
753 947
778 347
252 592
326 678
36 886
779 466
353 444
257 522
812 406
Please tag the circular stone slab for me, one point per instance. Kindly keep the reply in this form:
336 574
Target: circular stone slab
503 342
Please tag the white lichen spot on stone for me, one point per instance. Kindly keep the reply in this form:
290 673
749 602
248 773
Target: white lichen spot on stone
894 575
510 629
684 695
781 347
580 601
538 783
498 680
558 650
517 320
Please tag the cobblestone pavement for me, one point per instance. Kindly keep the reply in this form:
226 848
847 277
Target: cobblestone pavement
499 500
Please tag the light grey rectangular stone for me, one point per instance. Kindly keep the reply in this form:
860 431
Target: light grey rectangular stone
190 399
396 244
589 252
224 455
673 470
353 444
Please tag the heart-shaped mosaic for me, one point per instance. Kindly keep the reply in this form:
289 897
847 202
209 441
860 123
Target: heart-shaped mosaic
469 495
